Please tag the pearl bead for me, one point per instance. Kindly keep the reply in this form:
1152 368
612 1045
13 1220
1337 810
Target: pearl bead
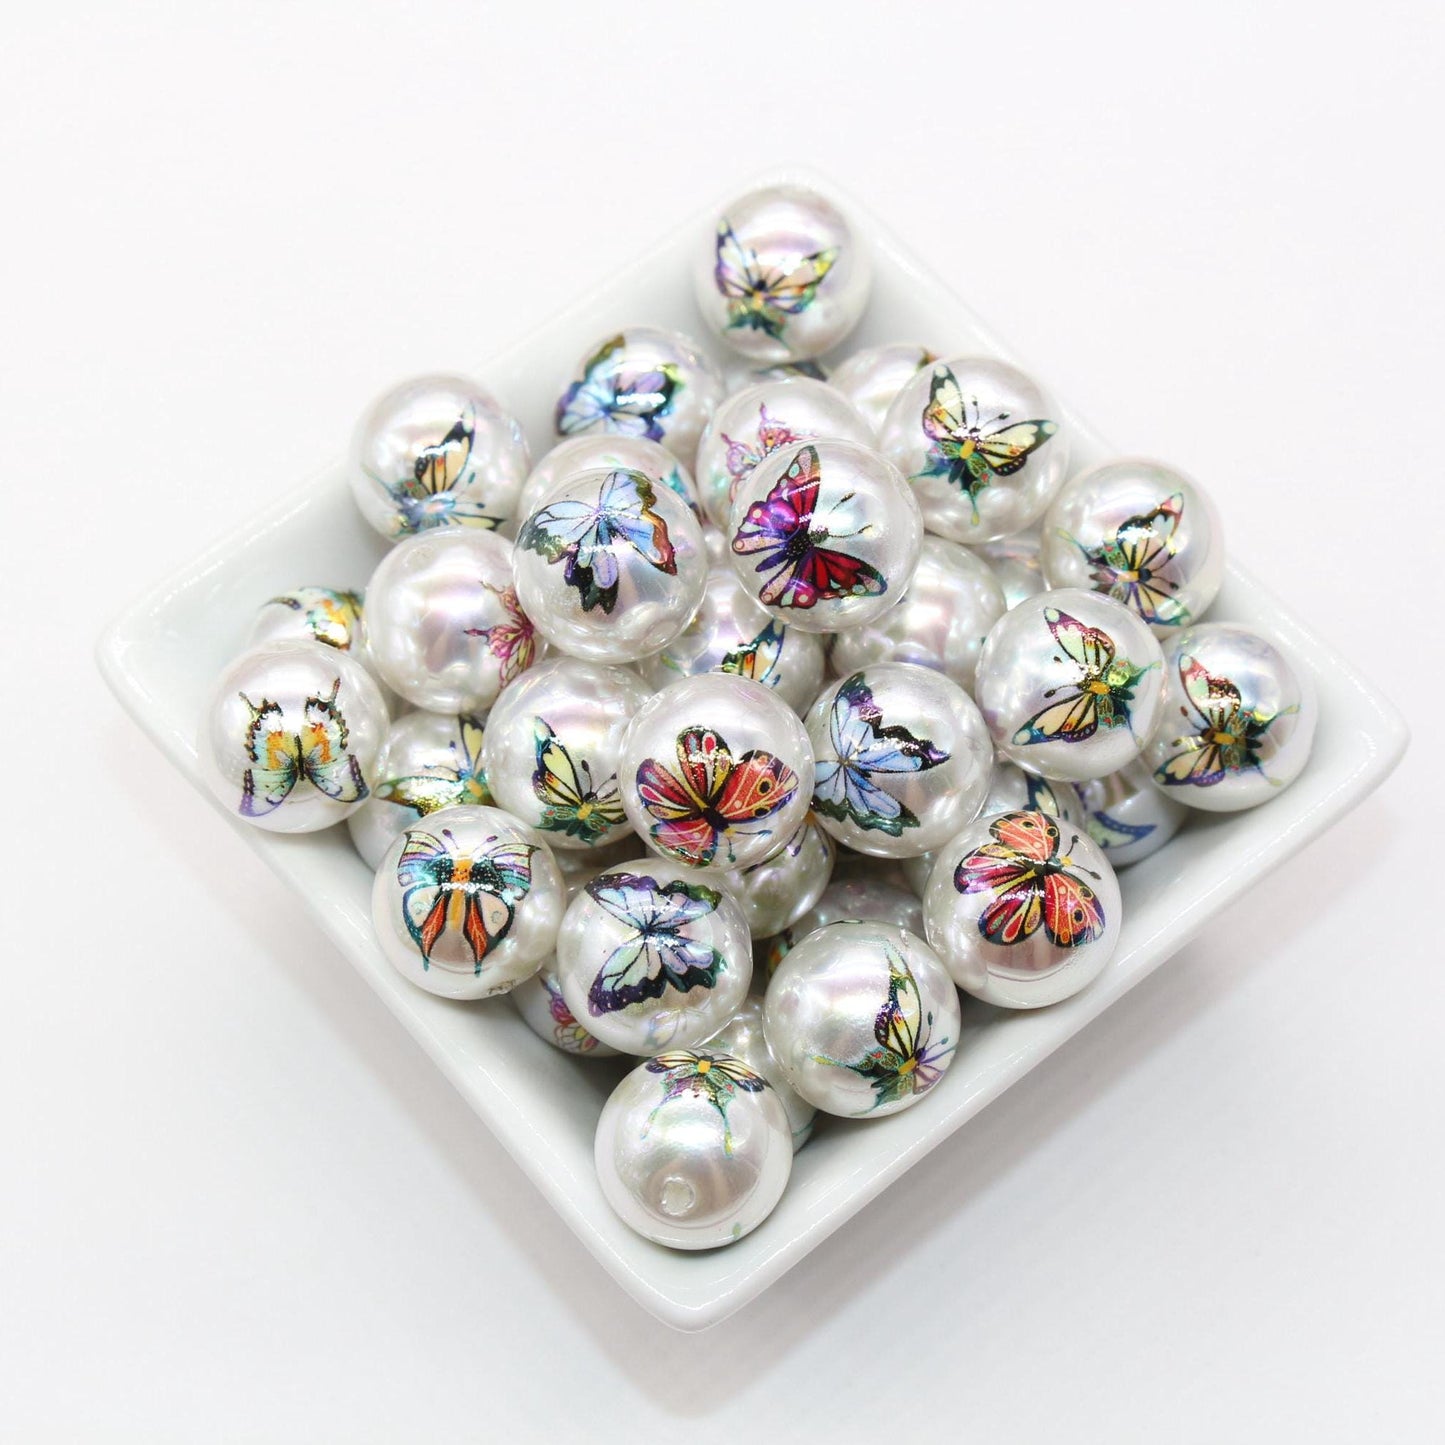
862 1018
1022 909
782 275
1070 684
1127 816
611 568
642 382
543 1009
744 1039
849 898
872 378
1142 533
291 736
552 746
467 903
1237 723
604 449
760 420
902 759
717 771
983 446
1015 562
940 621
436 451
731 633
693 1149
776 892
311 614
829 502
443 623
1011 790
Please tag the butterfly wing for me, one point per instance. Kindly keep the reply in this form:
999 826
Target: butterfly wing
678 810
438 468
423 793
755 788
588 401
424 872
1070 720
1073 914
564 787
1091 649
627 504
1005 451
325 757
794 291
274 753
757 660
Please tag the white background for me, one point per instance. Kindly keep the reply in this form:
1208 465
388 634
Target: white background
236 1202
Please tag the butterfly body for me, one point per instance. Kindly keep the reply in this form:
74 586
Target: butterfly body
282 755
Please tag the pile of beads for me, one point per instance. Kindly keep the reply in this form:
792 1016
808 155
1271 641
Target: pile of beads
759 717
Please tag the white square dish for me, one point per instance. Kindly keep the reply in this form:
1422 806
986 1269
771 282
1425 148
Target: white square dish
161 657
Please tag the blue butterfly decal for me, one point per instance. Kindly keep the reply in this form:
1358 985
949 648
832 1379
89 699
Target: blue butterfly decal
852 784
588 536
658 954
610 396
1109 832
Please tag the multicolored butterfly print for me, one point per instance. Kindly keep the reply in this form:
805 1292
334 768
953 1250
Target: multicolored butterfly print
1226 738
329 616
658 954
757 660
513 642
611 398
460 781
741 458
568 1033
572 803
434 494
969 449
718 1078
786 529
281 754
588 536
710 795
852 784
1031 884
907 1059
472 893
1135 563
762 298
1099 697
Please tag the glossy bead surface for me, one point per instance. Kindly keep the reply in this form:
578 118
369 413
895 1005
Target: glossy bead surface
872 378
611 567
291 735
760 420
776 892
436 451
651 956
982 445
940 621
552 747
539 1001
848 899
825 535
782 276
1023 910
605 449
716 771
430 761
1012 790
862 1018
444 626
642 382
693 1149
902 759
1127 816
1070 684
1142 533
1238 719
744 1039
311 614
467 903
1015 561
730 632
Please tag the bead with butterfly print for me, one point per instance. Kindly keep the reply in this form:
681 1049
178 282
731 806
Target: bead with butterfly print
762 419
436 451
543 1009
612 451
781 275
1127 816
825 535
1023 909
1071 684
743 1037
467 902
872 378
311 614
291 736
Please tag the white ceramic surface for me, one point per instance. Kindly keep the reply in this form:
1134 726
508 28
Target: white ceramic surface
162 657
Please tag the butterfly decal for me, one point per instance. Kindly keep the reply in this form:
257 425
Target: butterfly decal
329 616
1041 797
852 781
658 953
718 1078
741 458
470 892
567 1033
434 495
711 795
610 397
512 642
969 449
587 537
462 780
1225 738
1135 563
281 755
785 528
758 659
1098 697
571 802
1031 883
759 297
1110 832
905 1059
